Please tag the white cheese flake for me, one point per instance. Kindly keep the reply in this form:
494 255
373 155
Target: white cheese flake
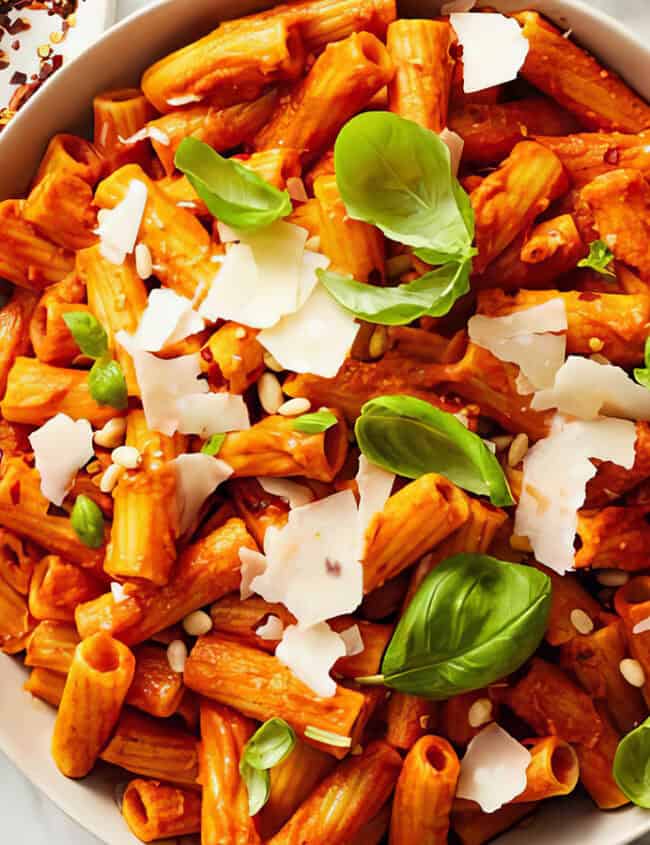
61 448
184 100
584 388
642 626
151 132
252 564
295 494
556 471
197 477
118 592
311 653
494 49
168 318
493 770
206 414
272 629
119 227
353 641
375 485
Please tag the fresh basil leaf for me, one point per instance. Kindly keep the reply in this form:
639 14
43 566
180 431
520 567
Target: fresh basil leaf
234 194
397 175
88 522
642 374
269 745
258 785
410 437
599 259
473 621
107 384
631 768
213 445
315 423
88 333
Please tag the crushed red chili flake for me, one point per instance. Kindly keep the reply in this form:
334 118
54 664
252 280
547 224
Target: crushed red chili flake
333 567
612 156
18 78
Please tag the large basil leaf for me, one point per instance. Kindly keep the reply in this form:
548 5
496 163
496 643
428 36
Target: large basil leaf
632 765
473 621
234 194
432 294
397 175
410 437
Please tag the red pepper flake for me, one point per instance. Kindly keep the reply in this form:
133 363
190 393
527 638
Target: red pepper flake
333 567
612 156
19 78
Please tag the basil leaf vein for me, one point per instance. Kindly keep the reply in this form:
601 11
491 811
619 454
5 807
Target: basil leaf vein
233 194
631 767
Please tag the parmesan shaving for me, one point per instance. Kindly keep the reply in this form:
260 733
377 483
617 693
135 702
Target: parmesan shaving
252 564
272 629
197 477
353 641
642 626
375 485
61 448
311 653
151 132
168 318
206 414
295 494
184 100
494 49
119 227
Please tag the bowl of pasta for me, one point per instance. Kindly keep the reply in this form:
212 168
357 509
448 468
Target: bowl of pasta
324 493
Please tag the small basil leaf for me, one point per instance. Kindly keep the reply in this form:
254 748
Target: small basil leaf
88 522
269 745
642 374
258 785
631 768
397 175
315 423
411 438
213 445
88 333
599 259
108 385
473 621
234 194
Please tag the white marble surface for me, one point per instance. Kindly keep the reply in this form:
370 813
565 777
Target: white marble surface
27 816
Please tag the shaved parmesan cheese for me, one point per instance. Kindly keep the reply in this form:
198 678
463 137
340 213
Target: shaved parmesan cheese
375 485
642 626
252 564
316 339
168 318
584 388
494 49
556 472
493 770
118 592
197 477
312 561
456 146
353 641
206 414
119 227
146 132
311 653
295 494
524 338
163 383
311 261
272 629
457 6
185 100
61 447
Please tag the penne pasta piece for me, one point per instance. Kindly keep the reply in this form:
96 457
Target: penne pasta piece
155 810
117 296
27 258
17 561
16 624
341 82
145 518
179 190
156 688
257 508
354 248
61 206
459 99
632 603
474 827
46 685
58 587
51 338
260 687
225 817
596 767
413 521
154 749
233 358
491 132
424 66
221 128
273 447
307 215
95 689
590 154
604 534
456 712
205 571
292 782
275 166
612 481
567 595
37 392
424 793
180 247
118 116
553 770
408 719
386 600
345 801
509 200
73 155
557 66
15 318
188 710
52 646
373 833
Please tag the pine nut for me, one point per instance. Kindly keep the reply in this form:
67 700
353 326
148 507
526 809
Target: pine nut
424 722
126 456
378 342
143 261
272 363
294 407
596 344
177 655
240 333
518 449
502 441
270 393
112 434
198 623
581 621
111 477
612 577
632 671
480 713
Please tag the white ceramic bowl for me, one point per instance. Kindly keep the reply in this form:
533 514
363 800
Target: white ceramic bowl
64 104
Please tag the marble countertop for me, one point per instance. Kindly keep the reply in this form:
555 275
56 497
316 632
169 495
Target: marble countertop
27 816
